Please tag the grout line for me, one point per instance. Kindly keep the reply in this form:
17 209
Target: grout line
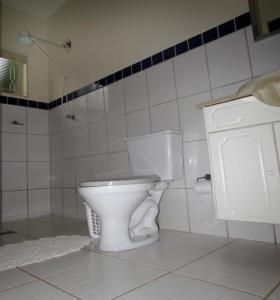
96 251
17 286
272 291
208 253
148 98
48 283
141 285
183 160
220 285
208 70
248 52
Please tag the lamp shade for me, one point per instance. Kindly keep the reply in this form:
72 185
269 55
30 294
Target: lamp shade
24 38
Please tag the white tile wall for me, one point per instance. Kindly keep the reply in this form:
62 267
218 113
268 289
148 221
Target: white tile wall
55 119
135 90
114 99
55 147
116 133
191 118
37 120
68 173
65 109
80 111
56 201
38 175
162 97
118 165
96 108
67 144
99 166
83 172
14 176
138 123
165 116
227 90
25 165
196 160
97 138
173 210
202 216
228 59
38 147
161 84
55 174
14 147
81 140
12 113
191 72
14 205
38 202
69 203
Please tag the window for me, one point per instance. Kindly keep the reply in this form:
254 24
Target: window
13 73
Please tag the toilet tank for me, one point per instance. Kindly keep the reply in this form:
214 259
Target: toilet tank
158 153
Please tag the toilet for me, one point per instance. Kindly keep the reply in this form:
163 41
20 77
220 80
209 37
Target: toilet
123 212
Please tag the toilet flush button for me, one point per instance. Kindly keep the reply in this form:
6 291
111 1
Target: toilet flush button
269 173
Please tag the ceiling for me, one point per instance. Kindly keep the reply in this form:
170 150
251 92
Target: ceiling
40 8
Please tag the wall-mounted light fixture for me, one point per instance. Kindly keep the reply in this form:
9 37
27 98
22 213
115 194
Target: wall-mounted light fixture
26 39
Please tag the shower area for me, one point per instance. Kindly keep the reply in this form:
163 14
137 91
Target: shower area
27 168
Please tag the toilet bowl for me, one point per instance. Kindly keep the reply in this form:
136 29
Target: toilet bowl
127 209
123 212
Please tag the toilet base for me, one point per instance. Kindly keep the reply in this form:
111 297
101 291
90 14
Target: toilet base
135 243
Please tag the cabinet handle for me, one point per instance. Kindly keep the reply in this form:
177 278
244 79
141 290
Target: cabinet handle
269 173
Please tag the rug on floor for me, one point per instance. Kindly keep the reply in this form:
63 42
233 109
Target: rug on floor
29 252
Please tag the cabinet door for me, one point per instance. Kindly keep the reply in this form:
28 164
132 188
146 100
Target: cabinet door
245 174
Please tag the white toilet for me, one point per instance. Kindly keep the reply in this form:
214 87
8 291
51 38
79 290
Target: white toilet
122 212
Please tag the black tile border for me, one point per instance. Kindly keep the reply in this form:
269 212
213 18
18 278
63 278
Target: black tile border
203 38
24 102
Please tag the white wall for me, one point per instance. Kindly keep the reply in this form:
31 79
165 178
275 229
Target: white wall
110 35
25 162
13 21
161 97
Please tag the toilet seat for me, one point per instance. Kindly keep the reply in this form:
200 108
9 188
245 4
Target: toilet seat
121 181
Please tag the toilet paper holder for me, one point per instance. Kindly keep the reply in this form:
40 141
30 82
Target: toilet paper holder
205 177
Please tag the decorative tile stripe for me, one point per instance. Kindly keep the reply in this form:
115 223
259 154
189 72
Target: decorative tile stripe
24 102
182 47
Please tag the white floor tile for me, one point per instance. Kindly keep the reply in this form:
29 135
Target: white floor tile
251 231
12 278
200 241
35 291
232 272
178 288
62 264
164 254
217 268
275 294
108 276
265 253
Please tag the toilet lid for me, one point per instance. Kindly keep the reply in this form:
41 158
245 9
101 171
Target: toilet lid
121 181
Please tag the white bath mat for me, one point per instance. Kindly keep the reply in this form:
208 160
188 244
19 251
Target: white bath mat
29 252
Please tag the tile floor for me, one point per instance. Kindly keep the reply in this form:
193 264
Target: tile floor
179 266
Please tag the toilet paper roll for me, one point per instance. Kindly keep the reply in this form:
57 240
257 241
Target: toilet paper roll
203 187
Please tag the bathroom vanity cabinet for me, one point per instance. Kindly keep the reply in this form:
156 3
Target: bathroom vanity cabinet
244 147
